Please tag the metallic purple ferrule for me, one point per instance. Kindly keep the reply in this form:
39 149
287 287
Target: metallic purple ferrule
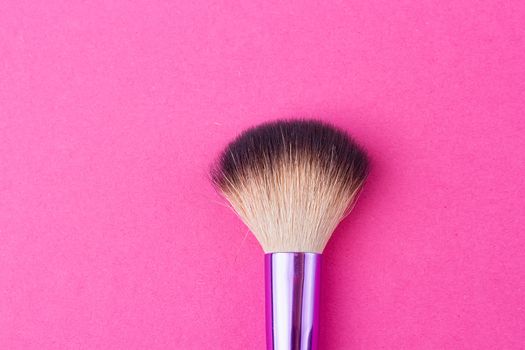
292 301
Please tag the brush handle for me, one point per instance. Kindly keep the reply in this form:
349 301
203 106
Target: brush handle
292 301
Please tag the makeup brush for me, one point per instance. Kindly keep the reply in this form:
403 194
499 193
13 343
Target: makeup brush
292 182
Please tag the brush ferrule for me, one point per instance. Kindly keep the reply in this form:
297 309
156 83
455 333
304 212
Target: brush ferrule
292 300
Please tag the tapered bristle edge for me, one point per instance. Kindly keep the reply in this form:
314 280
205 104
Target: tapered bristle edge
291 181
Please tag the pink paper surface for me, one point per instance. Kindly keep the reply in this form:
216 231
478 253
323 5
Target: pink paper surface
111 112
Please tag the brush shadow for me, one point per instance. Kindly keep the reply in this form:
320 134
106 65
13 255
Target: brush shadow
341 256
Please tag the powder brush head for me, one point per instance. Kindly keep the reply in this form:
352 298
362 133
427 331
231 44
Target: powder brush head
291 182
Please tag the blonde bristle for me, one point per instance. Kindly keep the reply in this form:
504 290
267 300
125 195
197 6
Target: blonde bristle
291 182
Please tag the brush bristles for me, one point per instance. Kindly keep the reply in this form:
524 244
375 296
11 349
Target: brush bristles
291 182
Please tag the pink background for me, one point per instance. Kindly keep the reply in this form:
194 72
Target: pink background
110 113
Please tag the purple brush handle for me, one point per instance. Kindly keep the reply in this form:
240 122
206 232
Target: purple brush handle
292 301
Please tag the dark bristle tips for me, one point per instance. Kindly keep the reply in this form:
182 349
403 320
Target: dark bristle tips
265 144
